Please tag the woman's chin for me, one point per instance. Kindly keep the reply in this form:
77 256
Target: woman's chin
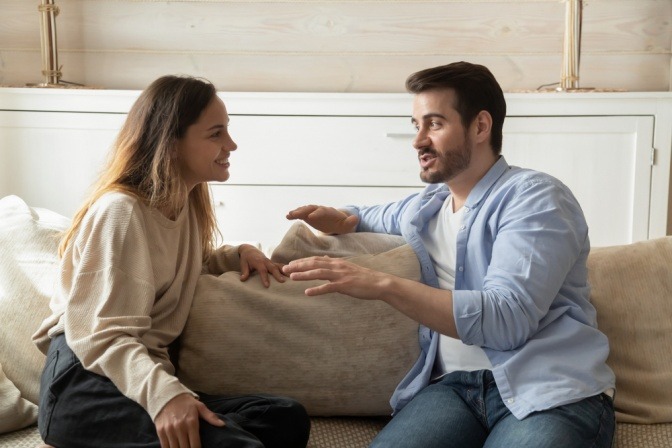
221 177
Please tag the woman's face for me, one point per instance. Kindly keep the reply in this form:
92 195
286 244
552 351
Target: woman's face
203 152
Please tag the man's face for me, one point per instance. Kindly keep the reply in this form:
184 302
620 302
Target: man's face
443 144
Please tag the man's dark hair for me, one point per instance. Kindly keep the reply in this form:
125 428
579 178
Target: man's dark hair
475 88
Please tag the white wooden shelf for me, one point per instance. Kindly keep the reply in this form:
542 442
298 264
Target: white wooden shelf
612 149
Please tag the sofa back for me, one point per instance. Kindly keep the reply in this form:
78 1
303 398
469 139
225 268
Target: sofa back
632 291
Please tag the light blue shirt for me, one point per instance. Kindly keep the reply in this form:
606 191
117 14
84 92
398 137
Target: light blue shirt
521 287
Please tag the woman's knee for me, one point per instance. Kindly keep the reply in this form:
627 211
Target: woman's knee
293 417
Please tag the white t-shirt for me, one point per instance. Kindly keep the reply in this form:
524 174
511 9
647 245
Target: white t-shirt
440 239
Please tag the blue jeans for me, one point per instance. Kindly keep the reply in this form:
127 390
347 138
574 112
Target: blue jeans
80 409
465 410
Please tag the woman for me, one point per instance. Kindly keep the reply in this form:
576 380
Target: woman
129 266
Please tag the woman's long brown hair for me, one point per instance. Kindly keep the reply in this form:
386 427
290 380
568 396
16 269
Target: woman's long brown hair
142 162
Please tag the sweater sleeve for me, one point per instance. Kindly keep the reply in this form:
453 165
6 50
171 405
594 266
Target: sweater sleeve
111 296
224 259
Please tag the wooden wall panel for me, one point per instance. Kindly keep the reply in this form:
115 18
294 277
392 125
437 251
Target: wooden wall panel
341 46
358 73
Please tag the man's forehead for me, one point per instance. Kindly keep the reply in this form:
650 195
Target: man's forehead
436 102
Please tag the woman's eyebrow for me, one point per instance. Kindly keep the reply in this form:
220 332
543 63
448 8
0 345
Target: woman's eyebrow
217 126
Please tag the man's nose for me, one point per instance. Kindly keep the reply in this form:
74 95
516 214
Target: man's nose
421 140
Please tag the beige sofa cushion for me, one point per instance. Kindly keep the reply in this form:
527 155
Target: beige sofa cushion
335 354
336 346
15 412
632 291
300 242
28 266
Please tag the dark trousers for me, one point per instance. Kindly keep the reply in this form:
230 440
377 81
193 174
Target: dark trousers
79 408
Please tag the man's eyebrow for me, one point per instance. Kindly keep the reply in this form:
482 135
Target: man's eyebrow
430 115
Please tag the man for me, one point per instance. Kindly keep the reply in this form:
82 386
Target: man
511 355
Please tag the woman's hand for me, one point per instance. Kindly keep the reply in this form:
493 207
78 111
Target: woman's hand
178 422
252 259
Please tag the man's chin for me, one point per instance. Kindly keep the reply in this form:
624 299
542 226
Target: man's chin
430 178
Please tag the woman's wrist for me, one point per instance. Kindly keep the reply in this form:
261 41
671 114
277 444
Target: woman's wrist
244 247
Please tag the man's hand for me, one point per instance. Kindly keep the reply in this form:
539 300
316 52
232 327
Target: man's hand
177 423
325 219
432 307
252 259
342 276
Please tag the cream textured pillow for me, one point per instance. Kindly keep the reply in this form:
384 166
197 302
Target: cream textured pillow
301 242
28 268
632 291
335 354
15 412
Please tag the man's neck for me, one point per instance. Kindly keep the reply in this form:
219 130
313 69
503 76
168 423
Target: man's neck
463 183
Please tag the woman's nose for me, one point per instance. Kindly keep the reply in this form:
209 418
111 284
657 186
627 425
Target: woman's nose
230 145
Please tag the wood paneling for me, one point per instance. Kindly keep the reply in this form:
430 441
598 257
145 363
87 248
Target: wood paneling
308 73
341 46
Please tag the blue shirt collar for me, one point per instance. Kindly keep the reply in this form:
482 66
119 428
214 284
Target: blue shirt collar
480 190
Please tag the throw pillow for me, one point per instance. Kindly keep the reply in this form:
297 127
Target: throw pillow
28 268
335 354
632 291
301 242
15 411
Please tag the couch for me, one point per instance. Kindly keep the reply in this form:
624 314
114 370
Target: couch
339 356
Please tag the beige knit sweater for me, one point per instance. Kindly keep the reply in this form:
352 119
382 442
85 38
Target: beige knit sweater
126 284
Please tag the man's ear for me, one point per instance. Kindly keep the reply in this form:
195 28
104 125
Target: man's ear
483 123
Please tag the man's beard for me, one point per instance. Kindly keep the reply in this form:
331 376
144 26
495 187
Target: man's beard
449 164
